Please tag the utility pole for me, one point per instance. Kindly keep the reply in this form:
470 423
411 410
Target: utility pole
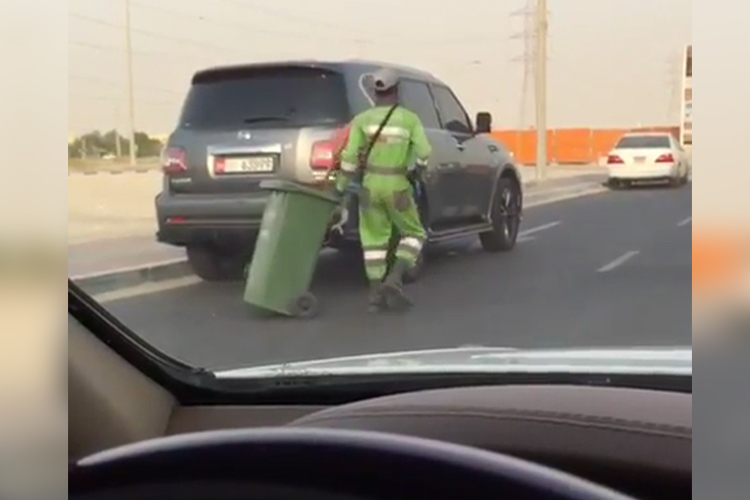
541 88
118 143
131 96
527 58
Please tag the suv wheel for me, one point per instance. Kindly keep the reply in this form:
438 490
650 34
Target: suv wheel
506 218
211 263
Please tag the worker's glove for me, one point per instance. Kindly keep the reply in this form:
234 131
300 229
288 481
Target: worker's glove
416 174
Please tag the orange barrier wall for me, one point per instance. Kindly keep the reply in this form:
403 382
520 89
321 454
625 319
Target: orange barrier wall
568 146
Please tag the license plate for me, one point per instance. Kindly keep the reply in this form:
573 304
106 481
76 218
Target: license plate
251 165
640 159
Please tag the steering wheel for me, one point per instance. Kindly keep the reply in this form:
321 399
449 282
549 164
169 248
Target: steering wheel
307 464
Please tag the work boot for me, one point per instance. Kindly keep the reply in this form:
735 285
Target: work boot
376 299
393 286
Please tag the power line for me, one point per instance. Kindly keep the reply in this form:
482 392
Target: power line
116 84
248 28
172 56
243 27
88 97
282 14
202 45
395 35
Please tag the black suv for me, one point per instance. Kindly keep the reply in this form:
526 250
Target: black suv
241 125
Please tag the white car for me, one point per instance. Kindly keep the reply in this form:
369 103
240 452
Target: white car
648 156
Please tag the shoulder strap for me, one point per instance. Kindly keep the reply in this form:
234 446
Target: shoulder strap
366 156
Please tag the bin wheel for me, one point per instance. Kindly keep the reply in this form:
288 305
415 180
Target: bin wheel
305 306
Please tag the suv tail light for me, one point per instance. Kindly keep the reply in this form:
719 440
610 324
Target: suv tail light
324 153
614 160
174 161
322 156
665 158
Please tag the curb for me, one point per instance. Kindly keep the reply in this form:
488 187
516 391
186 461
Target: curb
590 176
118 279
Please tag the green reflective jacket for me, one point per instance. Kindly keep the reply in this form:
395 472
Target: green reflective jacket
401 143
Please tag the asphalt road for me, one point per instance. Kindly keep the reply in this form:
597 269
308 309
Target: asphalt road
612 269
124 251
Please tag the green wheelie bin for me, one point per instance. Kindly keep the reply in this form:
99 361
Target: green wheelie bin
291 237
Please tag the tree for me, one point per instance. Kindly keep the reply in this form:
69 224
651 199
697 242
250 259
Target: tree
95 145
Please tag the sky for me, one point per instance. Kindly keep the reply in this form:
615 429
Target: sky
612 63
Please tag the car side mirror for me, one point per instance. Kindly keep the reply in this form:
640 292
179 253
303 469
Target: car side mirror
484 123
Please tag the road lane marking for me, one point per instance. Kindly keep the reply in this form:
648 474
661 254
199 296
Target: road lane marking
618 261
685 222
534 230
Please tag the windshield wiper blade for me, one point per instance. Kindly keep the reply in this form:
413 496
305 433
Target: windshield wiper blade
258 119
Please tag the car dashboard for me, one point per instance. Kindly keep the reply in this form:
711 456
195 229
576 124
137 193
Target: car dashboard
636 441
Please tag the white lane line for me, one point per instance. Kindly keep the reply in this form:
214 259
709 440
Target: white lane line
618 261
685 222
538 229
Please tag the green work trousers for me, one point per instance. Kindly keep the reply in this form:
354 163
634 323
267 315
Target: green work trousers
384 207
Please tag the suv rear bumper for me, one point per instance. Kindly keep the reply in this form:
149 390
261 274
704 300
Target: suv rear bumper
227 220
191 218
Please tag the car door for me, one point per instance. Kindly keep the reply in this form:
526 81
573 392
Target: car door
415 95
470 180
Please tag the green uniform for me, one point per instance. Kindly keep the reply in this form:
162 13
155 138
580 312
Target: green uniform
386 199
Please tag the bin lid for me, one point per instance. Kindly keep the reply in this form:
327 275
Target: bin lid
295 187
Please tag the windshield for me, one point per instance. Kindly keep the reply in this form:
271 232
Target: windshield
217 211
643 142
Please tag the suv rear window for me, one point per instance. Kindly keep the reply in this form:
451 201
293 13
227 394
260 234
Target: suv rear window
266 97
644 142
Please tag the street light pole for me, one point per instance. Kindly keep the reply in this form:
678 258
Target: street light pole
118 143
541 88
129 83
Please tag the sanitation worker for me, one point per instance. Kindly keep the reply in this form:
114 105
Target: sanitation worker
387 147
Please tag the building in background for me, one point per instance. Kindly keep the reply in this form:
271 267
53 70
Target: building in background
686 122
